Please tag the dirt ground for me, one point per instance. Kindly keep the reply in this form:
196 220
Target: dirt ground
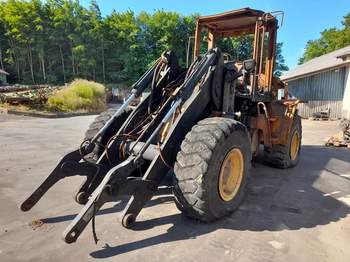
300 214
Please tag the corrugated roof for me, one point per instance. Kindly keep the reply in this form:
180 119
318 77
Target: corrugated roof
319 64
3 72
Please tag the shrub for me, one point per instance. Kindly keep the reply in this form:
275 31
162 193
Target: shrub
80 95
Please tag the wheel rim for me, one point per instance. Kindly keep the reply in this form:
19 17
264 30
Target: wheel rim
294 146
231 174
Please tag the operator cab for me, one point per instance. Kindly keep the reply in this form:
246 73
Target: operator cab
248 29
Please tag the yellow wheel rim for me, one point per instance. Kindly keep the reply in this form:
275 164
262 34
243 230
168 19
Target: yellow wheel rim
294 146
231 174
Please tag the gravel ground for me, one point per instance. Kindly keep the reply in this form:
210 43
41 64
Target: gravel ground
299 214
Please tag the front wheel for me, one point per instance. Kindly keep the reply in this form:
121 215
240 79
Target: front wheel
211 169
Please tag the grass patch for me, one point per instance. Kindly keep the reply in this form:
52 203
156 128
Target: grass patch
80 95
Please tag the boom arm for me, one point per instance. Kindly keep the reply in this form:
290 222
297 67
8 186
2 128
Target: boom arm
116 182
107 184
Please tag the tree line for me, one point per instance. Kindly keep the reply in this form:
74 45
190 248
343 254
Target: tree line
56 41
331 39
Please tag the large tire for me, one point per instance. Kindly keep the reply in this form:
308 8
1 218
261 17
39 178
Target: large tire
281 156
97 124
198 165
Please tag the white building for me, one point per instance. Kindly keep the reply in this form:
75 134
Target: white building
324 82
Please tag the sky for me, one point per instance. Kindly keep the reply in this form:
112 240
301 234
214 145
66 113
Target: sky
303 20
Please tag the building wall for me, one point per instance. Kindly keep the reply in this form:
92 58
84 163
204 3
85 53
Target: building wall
321 91
307 110
346 98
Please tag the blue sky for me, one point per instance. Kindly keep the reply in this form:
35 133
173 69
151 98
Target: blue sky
303 20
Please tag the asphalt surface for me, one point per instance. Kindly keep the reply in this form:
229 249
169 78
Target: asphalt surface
299 214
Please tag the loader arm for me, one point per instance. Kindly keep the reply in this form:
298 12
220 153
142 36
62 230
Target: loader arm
118 182
184 97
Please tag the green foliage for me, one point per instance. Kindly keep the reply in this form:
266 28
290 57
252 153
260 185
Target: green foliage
79 95
280 62
56 41
241 48
330 40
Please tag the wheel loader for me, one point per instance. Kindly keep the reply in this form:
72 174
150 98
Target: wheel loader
203 125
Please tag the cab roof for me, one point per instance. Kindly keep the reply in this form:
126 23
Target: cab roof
237 20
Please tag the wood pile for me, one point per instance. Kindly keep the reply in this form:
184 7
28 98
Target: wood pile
26 94
342 139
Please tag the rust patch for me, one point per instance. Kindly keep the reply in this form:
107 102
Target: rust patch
36 223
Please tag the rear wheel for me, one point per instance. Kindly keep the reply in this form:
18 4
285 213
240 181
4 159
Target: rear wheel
212 168
286 156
